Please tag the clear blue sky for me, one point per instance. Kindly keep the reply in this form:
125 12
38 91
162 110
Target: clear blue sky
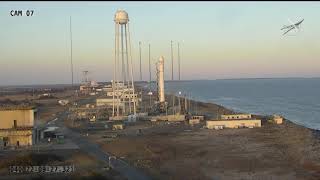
217 39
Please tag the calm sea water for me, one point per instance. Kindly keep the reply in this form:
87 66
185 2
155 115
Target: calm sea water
296 99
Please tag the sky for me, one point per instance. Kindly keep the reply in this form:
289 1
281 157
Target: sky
217 40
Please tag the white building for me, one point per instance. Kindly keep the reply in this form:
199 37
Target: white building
107 102
234 123
236 116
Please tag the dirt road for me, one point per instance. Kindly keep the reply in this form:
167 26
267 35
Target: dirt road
93 149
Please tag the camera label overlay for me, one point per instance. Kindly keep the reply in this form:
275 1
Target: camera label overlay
41 169
21 12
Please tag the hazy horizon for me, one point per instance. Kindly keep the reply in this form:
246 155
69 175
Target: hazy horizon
218 40
168 80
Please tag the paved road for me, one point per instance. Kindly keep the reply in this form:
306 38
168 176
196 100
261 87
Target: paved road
93 149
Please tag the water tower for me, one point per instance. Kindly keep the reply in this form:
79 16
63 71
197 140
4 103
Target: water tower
123 85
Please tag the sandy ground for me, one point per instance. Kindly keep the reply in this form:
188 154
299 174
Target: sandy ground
47 107
271 152
178 151
87 167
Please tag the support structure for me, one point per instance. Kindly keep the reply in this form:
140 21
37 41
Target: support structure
71 63
140 61
149 84
173 104
179 75
171 62
149 65
185 103
124 97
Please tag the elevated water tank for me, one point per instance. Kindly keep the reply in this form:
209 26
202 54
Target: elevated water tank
121 17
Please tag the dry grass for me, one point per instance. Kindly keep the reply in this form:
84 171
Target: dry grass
274 151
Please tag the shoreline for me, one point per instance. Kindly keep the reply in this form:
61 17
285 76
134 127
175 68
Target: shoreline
255 114
316 131
222 108
275 151
165 151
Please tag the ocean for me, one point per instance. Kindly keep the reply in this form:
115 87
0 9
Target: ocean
297 99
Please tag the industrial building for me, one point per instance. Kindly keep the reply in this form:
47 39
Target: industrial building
117 126
17 126
107 102
89 112
236 116
234 121
89 87
194 121
171 117
277 119
107 88
201 118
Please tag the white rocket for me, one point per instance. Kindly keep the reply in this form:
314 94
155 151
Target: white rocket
161 79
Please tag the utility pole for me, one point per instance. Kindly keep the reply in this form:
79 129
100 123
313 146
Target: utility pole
149 66
179 105
185 103
150 100
196 107
71 53
179 102
33 95
189 104
179 61
140 61
173 101
150 75
166 110
171 62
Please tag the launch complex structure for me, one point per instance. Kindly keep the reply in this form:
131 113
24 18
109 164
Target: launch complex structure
123 91
160 84
125 99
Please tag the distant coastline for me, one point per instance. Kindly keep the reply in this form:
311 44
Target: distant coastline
153 81
247 79
295 98
230 110
270 78
9 87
